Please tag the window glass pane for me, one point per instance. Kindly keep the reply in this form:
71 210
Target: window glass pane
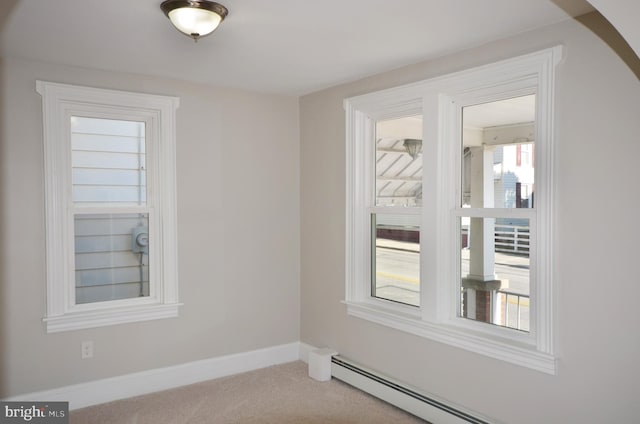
111 256
396 258
399 162
498 154
494 270
108 161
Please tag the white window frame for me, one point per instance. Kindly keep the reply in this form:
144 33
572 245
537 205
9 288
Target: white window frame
60 102
441 100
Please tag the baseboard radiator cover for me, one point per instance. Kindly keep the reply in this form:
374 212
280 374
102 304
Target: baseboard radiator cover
400 395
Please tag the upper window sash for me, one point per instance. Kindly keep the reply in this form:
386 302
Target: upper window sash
96 113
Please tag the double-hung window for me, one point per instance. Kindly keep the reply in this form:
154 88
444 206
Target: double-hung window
110 206
450 205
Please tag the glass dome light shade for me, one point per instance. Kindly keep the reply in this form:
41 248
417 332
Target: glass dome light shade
194 21
194 18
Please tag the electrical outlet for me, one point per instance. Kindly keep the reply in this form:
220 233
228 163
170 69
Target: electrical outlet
86 350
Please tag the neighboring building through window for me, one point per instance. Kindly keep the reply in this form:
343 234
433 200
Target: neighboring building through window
444 238
110 206
108 166
494 259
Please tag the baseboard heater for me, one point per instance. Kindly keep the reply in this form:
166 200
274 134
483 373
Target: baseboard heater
397 394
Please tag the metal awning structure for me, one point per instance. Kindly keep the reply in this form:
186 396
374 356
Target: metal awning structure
398 175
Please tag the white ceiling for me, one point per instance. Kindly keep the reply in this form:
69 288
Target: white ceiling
517 110
290 47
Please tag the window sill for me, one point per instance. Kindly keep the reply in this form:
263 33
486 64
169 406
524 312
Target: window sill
503 349
111 316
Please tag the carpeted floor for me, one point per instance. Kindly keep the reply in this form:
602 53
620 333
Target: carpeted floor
282 394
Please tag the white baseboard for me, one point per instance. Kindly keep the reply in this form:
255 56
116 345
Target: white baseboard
140 383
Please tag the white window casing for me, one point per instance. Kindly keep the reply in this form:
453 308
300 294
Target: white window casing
60 103
440 100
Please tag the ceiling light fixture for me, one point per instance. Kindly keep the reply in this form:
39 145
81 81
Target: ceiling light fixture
195 18
413 147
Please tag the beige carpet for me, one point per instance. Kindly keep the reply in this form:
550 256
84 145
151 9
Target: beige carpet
282 394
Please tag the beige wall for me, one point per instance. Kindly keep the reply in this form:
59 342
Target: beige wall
240 289
596 235
238 230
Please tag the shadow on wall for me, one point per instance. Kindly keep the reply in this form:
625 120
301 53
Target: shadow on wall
5 12
601 27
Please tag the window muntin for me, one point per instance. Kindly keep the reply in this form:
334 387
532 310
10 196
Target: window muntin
110 206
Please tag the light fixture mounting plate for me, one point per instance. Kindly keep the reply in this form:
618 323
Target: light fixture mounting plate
169 5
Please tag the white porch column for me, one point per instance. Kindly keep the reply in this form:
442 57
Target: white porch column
482 230
481 282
